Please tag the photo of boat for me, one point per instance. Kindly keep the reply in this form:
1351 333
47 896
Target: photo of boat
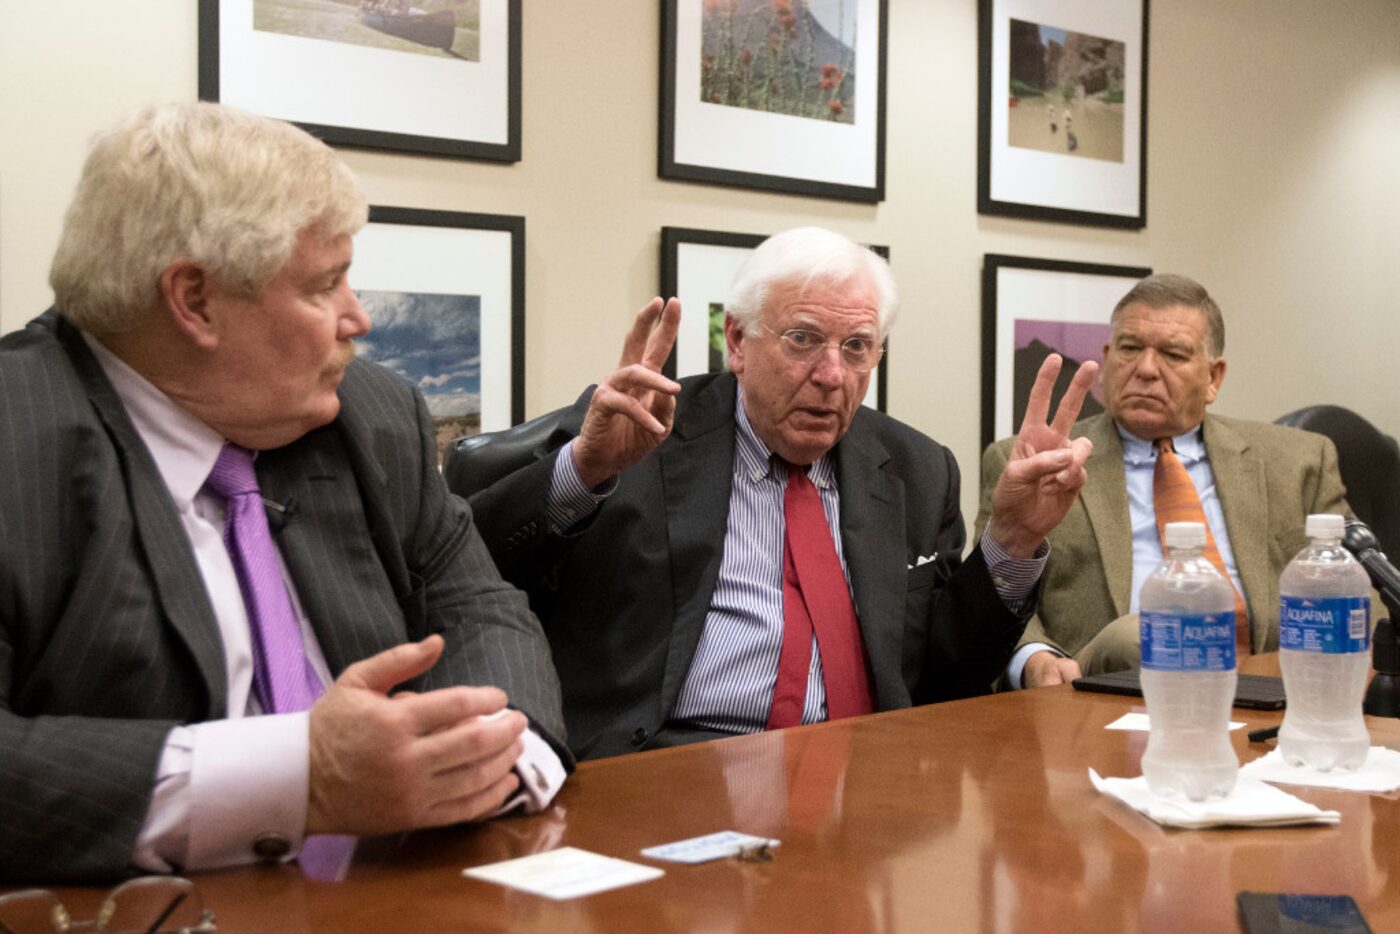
434 28
437 30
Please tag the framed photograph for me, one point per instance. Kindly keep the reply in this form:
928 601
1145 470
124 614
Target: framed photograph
698 267
779 95
1032 308
428 76
445 293
1062 129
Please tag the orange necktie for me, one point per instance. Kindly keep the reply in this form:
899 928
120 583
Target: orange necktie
1175 499
815 598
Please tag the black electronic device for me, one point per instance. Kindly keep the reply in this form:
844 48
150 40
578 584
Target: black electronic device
1280 913
1256 692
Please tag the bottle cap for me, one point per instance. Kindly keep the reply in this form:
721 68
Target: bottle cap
1325 525
1185 534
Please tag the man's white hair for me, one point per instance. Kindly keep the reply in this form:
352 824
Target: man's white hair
223 188
799 257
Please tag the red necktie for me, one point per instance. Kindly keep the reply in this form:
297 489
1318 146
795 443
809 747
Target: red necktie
816 599
1175 499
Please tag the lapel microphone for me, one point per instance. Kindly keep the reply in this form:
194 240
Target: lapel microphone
279 515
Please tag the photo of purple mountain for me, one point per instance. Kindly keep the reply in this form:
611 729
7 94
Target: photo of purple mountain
1076 342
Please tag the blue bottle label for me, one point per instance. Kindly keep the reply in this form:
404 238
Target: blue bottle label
1188 643
1330 625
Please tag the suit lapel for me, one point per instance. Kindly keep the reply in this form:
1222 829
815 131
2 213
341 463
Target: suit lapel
873 544
696 468
176 579
1105 499
1241 487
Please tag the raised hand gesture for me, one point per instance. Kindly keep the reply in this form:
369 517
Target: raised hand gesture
631 411
1046 469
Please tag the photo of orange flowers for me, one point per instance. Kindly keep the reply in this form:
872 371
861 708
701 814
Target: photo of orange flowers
782 56
778 95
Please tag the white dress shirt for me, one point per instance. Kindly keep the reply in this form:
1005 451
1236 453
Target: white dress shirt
222 784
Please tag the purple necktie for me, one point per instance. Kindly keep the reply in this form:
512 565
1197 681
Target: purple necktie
283 679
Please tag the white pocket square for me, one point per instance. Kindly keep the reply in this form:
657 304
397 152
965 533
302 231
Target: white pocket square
922 560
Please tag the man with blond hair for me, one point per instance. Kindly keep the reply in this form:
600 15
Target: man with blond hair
211 511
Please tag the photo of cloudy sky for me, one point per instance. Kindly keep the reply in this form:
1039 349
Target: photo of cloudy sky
433 341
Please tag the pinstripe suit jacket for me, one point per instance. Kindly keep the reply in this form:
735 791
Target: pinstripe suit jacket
107 637
1269 478
624 600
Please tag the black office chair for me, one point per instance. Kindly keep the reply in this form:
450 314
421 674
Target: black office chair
475 462
1369 461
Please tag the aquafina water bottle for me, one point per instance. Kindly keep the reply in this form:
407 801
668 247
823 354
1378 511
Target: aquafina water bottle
1324 650
1187 617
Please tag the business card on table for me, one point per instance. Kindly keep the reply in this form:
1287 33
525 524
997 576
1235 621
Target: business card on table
567 872
711 846
1140 721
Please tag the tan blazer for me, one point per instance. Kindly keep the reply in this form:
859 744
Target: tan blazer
1269 479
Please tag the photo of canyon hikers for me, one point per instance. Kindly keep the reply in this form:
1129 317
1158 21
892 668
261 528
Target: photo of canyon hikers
794 57
1066 92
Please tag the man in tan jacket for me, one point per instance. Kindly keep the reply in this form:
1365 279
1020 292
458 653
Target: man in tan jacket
1256 482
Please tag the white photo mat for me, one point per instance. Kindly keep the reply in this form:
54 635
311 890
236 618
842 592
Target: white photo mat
357 94
1070 188
753 148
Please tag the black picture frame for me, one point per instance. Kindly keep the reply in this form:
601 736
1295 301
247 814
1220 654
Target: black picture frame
745 147
412 262
1039 177
710 282
1024 299
282 78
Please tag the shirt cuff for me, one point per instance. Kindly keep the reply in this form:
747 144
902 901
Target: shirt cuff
1017 666
541 774
570 502
247 789
1014 578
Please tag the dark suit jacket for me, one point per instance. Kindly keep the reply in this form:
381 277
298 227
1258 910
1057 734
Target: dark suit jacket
624 600
107 637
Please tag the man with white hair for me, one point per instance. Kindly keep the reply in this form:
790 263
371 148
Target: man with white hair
755 549
211 510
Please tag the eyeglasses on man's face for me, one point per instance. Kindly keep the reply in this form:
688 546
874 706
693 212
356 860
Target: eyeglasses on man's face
807 345
149 905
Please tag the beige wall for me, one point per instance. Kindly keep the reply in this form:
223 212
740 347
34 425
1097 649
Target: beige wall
1274 177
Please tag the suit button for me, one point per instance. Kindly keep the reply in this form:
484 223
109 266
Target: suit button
271 847
640 736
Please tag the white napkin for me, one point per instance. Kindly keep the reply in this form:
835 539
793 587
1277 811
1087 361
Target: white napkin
1251 804
1140 721
1379 773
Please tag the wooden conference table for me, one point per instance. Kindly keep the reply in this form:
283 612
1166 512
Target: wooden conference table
975 815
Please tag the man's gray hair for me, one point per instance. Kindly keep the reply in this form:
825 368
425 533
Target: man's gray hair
1167 290
225 189
799 257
